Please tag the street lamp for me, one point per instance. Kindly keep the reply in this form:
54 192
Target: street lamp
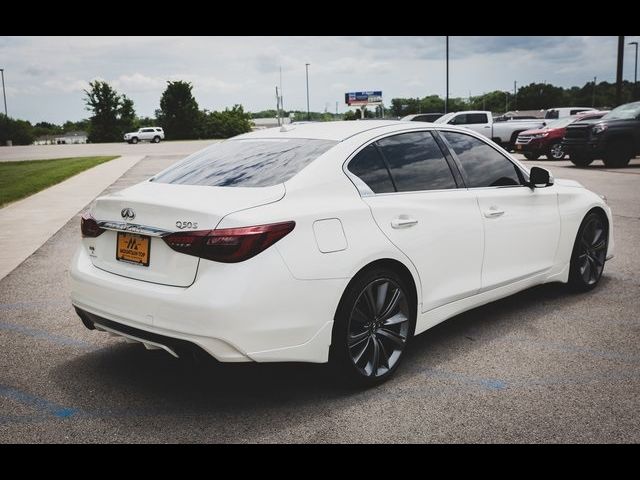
635 76
4 96
308 112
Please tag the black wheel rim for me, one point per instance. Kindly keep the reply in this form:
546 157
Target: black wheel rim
593 250
556 151
378 327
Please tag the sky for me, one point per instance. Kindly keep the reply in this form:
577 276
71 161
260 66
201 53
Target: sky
45 76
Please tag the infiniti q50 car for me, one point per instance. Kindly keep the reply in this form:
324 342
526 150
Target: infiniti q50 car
330 242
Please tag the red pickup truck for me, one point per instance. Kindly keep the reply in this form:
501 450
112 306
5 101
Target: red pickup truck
548 140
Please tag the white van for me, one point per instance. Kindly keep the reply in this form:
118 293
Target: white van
554 113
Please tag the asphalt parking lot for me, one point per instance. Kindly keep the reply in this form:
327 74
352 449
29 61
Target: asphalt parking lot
541 366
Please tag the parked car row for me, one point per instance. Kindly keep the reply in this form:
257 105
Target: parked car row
548 139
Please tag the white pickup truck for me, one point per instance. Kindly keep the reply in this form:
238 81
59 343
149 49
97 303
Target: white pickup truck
503 133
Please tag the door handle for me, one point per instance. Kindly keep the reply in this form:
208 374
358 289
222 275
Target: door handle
403 222
487 126
493 212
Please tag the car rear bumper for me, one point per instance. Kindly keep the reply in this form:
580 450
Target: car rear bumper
249 311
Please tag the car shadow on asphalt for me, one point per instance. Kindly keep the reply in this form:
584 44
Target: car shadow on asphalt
125 378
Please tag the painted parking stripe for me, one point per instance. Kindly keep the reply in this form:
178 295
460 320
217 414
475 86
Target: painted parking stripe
43 334
42 405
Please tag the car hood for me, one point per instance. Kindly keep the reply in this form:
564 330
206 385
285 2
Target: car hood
536 131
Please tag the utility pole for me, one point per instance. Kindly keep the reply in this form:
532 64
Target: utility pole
515 95
593 99
308 111
446 98
281 96
277 106
619 70
336 108
4 96
635 75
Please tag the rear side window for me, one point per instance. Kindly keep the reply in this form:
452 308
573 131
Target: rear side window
473 118
246 163
369 167
483 166
416 162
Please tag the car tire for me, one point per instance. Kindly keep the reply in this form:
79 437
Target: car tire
134 140
580 160
374 322
156 139
531 155
618 154
589 253
555 151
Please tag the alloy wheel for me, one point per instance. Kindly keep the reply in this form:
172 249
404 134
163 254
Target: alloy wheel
593 250
556 151
378 327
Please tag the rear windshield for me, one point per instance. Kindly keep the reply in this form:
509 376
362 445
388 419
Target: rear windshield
246 163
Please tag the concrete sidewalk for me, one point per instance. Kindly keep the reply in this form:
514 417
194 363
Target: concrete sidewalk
27 224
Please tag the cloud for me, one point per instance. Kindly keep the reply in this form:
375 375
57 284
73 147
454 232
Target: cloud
46 75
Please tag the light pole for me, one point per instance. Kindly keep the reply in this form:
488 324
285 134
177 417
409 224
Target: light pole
635 75
446 98
308 112
4 96
515 95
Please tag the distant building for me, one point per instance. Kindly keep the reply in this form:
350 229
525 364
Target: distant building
63 138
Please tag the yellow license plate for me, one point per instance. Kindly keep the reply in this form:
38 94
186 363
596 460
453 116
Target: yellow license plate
133 248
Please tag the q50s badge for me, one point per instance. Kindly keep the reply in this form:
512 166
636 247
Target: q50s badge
182 225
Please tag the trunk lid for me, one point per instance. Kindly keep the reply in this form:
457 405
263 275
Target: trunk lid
159 208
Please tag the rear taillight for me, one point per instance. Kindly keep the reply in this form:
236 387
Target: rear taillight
228 245
89 226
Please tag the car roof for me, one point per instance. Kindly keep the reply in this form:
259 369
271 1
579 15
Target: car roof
338 131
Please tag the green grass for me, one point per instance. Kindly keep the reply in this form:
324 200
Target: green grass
21 179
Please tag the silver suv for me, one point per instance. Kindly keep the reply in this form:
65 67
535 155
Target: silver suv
150 134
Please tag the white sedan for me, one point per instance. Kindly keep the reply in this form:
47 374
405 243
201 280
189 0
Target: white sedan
330 242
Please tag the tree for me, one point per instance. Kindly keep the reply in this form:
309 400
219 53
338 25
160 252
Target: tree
127 115
113 113
179 115
224 124
20 132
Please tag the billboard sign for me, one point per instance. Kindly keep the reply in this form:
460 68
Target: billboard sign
373 97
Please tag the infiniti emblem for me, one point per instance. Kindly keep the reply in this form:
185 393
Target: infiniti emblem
128 213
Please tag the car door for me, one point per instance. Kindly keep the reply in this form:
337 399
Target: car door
146 134
521 224
415 201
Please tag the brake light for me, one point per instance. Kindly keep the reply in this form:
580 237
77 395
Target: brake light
228 245
89 226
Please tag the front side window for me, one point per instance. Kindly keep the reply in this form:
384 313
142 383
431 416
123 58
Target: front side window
260 162
483 165
369 167
416 162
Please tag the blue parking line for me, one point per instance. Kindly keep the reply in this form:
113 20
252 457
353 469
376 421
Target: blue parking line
488 383
41 404
32 304
44 335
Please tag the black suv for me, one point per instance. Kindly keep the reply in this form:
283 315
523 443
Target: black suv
614 138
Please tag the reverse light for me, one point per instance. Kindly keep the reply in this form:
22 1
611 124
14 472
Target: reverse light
599 128
89 226
228 245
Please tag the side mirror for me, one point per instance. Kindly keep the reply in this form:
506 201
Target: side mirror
540 177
